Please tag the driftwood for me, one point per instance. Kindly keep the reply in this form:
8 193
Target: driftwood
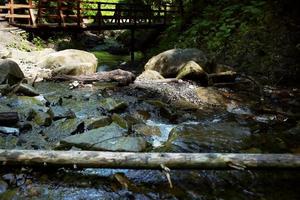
120 76
8 118
148 160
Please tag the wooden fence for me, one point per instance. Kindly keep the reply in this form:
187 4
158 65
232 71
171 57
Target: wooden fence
87 14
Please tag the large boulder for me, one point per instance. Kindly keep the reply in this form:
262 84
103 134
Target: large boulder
70 62
10 72
170 62
192 71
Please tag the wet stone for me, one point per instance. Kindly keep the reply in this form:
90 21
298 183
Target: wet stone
98 122
111 104
62 128
9 130
217 137
120 121
40 118
109 138
59 112
27 90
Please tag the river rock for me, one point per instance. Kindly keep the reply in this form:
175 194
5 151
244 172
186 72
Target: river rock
146 130
120 121
98 122
10 72
40 118
59 112
192 71
210 96
27 90
109 138
111 104
70 62
25 104
149 75
170 62
63 128
215 137
9 130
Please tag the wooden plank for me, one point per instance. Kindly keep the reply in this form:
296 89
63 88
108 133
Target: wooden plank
79 19
96 159
19 16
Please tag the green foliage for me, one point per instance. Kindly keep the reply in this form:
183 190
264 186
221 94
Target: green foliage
213 29
94 6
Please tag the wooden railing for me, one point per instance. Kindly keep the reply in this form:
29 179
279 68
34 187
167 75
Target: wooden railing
8 11
86 13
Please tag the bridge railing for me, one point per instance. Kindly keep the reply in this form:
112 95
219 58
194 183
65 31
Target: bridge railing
84 13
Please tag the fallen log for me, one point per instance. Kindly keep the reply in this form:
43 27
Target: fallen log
8 118
120 76
96 159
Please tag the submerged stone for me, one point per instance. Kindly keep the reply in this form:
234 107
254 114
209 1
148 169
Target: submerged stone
109 138
215 137
111 104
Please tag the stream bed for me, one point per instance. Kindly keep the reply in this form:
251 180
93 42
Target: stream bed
166 129
217 124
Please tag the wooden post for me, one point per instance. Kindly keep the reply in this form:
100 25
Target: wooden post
165 14
78 13
60 14
12 11
39 15
88 159
99 15
32 16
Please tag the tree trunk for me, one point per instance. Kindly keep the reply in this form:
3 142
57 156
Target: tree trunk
8 118
98 159
120 76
